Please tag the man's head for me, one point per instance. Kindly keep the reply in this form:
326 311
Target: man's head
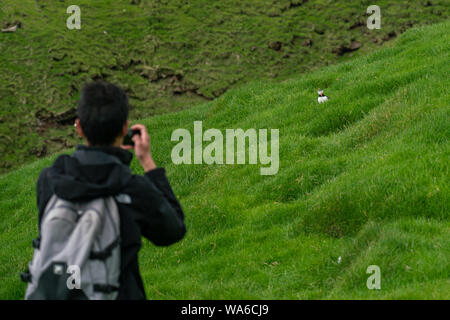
102 114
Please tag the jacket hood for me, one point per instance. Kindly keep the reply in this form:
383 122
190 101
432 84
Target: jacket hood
90 172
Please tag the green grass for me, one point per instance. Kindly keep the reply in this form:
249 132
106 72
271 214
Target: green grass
364 177
210 46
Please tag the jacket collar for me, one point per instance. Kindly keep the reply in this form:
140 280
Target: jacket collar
100 154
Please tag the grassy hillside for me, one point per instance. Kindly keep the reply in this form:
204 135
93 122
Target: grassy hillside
169 54
363 177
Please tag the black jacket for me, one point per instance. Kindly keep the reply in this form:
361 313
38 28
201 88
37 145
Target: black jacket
154 212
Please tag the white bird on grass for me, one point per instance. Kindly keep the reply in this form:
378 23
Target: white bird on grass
322 98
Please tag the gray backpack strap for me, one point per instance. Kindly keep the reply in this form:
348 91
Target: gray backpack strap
102 271
79 251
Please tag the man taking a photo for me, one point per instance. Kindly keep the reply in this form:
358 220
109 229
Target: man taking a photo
147 205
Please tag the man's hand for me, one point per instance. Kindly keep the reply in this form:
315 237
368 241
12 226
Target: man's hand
142 148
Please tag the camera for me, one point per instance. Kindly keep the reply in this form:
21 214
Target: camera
127 140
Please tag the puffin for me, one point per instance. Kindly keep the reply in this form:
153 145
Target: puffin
322 98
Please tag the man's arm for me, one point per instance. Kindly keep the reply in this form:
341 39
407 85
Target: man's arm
158 177
160 215
155 208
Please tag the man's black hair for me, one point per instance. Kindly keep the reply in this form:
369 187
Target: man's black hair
102 110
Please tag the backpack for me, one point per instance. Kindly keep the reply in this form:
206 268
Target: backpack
77 255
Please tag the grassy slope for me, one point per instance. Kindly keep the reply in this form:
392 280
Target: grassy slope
210 45
363 177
